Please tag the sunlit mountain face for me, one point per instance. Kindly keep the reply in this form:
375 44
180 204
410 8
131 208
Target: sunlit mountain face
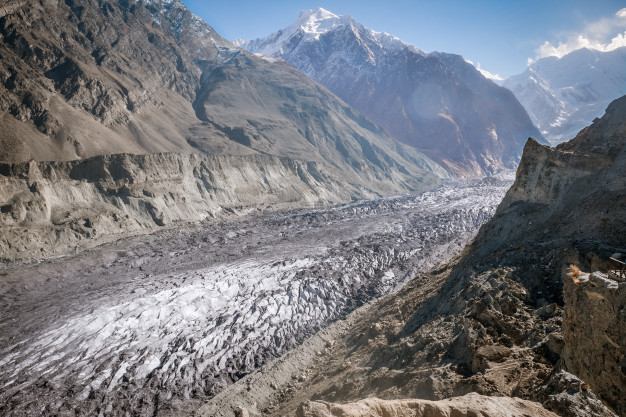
563 95
435 102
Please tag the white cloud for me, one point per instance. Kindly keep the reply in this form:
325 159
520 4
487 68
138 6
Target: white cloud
487 74
484 72
602 35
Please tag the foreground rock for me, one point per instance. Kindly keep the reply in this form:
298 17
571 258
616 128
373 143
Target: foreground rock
594 335
467 405
568 395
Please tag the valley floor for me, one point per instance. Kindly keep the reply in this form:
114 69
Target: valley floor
150 325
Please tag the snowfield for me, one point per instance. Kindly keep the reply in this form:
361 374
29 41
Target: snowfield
147 324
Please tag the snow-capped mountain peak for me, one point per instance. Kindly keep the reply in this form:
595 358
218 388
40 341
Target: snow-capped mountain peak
563 95
414 95
317 21
310 25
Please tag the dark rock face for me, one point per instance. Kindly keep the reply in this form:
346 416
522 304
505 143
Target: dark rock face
435 102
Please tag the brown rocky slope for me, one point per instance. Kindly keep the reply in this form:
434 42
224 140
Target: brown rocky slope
97 77
163 111
491 322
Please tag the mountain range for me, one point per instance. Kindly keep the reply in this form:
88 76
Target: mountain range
435 102
82 81
563 95
95 77
124 117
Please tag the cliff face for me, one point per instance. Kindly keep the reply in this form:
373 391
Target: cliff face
80 203
594 335
573 193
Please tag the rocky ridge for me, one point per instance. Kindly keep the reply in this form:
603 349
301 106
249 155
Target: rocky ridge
493 321
435 102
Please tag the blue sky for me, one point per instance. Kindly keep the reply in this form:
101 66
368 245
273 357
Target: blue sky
499 35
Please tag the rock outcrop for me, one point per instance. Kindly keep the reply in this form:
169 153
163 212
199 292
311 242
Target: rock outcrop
467 405
568 395
594 335
435 102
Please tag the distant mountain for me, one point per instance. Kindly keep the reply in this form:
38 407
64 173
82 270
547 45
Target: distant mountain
435 102
563 95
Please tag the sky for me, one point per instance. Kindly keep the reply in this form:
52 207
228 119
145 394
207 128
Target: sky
500 36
